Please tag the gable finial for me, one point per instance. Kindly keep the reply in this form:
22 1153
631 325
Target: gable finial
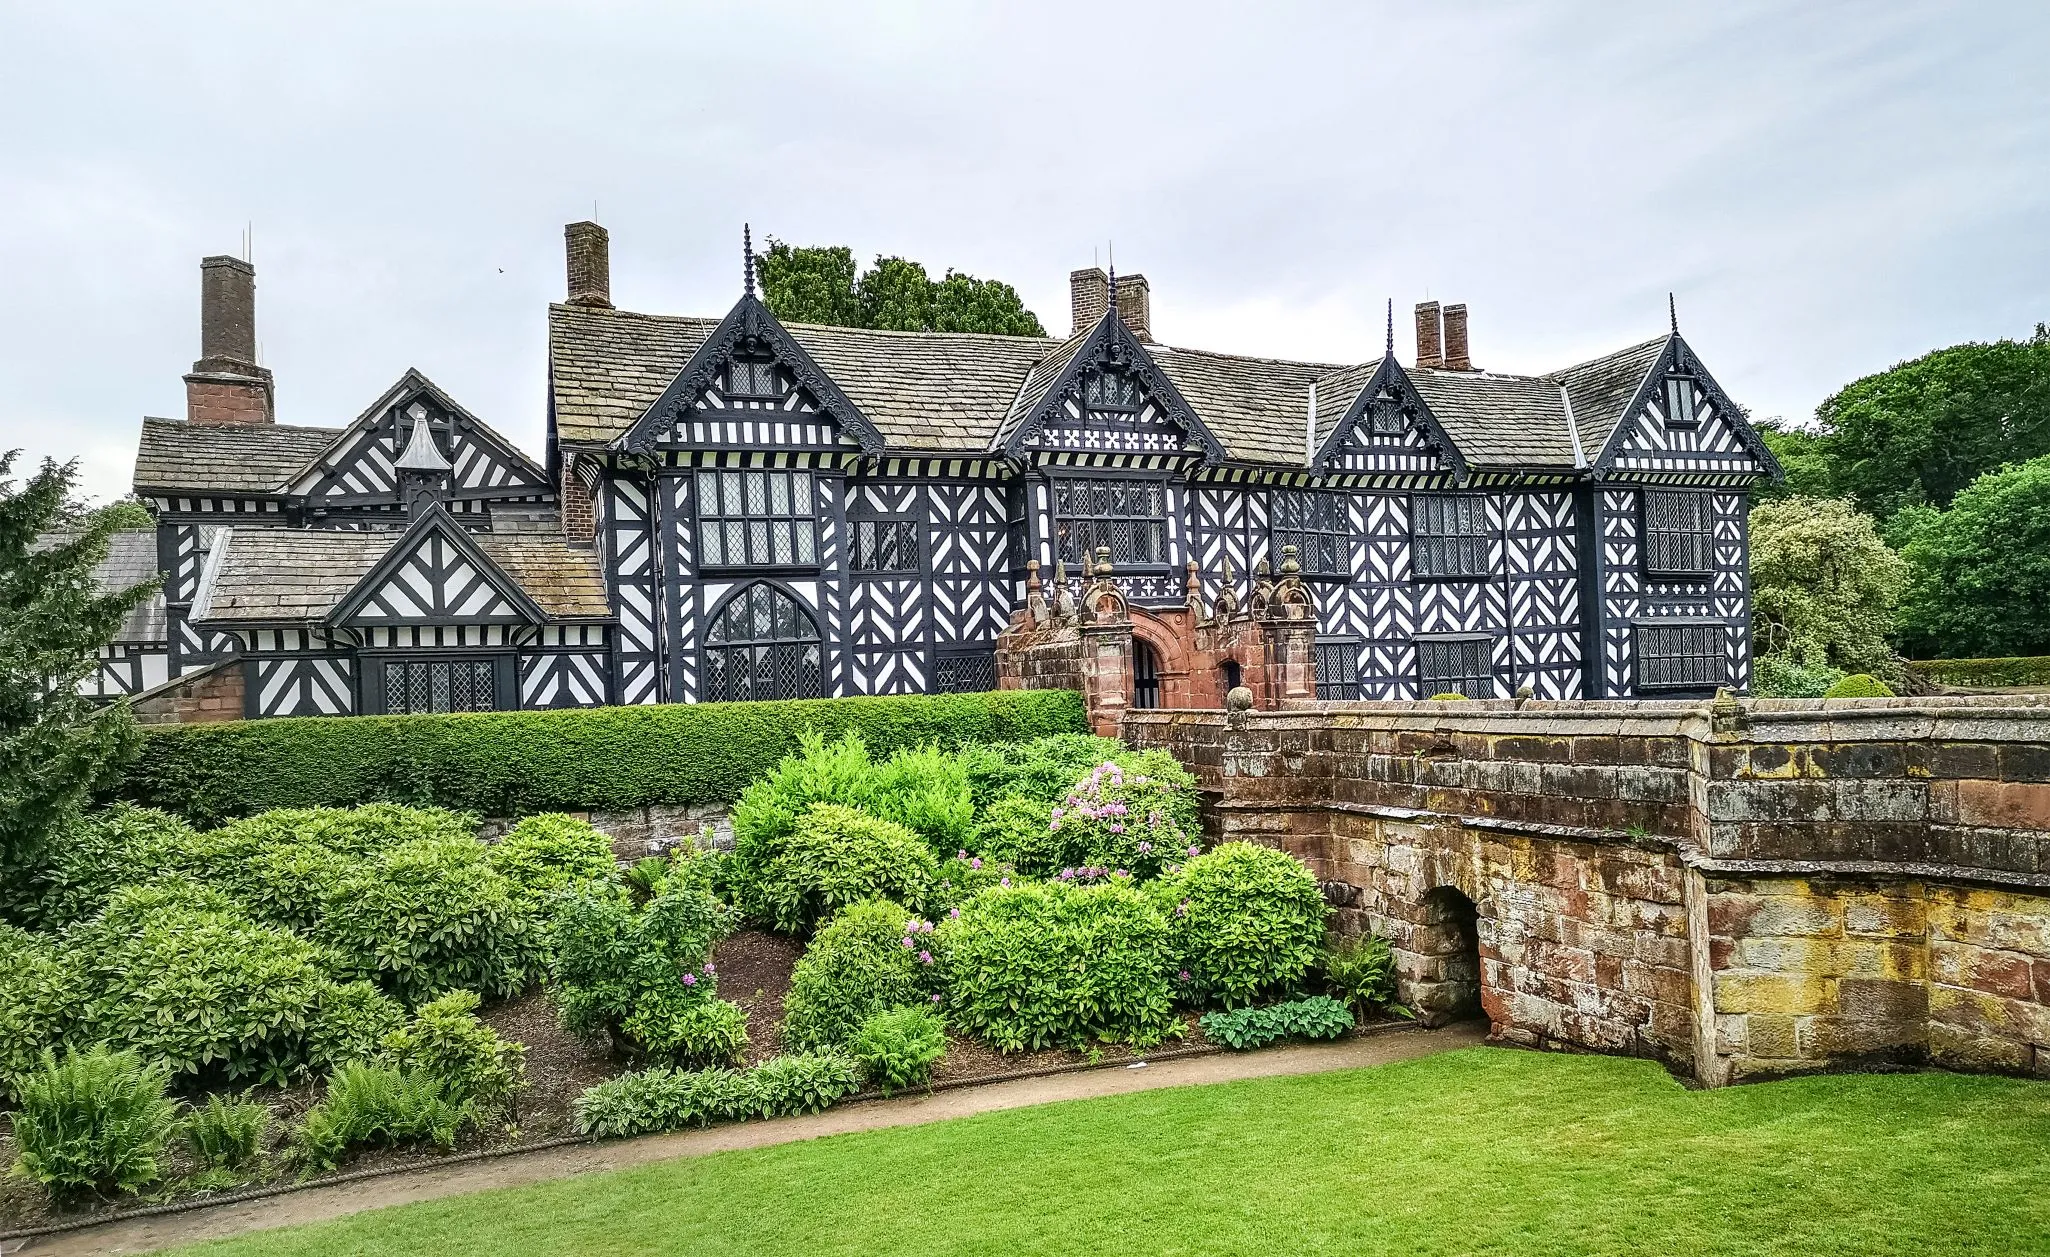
1113 249
747 248
1389 350
1673 314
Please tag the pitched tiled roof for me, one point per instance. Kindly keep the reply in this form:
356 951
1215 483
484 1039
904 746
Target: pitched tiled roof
959 391
199 458
563 580
267 575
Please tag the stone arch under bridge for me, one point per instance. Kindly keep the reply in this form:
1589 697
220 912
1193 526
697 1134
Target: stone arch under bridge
1740 889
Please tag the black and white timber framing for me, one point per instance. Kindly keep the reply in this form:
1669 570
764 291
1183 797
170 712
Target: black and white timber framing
792 510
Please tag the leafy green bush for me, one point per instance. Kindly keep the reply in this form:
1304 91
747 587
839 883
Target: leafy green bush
1041 770
1318 1017
349 1023
1020 830
1132 812
898 1048
857 965
832 857
817 772
1361 972
1989 673
446 1039
1979 572
1037 965
1784 676
42 994
515 763
377 1104
225 1134
550 852
92 1121
640 973
661 1099
962 877
925 790
788 1086
182 975
94 856
1245 919
428 916
1824 586
1859 685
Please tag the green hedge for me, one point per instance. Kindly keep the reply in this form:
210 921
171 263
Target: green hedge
1986 673
513 763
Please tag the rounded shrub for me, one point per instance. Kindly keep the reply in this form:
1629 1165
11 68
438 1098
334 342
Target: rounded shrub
550 852
926 791
349 1022
857 965
1859 685
428 916
447 1040
42 994
1037 965
97 854
643 974
1448 698
1244 919
1020 830
1041 770
962 877
1134 812
833 857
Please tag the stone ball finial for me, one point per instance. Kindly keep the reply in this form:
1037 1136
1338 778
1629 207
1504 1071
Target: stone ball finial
1103 567
1239 700
1289 566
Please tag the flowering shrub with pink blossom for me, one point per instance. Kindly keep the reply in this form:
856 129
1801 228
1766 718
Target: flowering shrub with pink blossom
963 876
1133 812
1042 964
870 957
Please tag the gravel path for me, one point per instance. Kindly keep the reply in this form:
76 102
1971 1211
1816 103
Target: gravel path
141 1235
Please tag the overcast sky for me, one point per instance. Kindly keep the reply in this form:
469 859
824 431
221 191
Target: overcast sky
1829 189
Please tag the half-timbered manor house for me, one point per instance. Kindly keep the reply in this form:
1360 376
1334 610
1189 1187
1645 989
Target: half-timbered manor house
733 507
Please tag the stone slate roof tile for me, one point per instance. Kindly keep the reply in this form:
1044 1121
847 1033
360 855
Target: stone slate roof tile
947 391
565 581
268 575
203 458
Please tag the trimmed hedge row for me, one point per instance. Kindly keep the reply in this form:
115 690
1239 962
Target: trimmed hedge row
513 763
2021 670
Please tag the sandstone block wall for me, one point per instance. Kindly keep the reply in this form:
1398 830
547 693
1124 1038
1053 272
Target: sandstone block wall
1743 889
205 696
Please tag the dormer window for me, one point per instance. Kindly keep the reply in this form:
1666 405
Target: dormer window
752 377
1110 390
1680 412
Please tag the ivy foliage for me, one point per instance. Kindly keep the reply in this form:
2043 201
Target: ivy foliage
57 748
821 284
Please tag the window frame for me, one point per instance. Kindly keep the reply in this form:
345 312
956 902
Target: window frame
908 529
1703 533
803 527
1098 533
1091 382
754 363
372 666
1673 386
1345 689
1485 537
983 661
1717 633
1279 535
710 645
1485 674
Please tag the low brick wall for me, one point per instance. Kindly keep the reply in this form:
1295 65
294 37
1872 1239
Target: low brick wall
1741 889
204 696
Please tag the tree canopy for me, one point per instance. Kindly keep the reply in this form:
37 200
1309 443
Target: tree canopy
821 284
1979 572
1824 587
55 747
1923 430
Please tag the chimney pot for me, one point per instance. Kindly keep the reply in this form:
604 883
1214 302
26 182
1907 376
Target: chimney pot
1456 356
1429 347
226 385
1135 305
589 254
1089 297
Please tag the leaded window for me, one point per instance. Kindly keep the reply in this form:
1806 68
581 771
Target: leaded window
752 377
1128 516
1111 390
415 686
1385 416
1456 665
1680 403
1679 538
763 645
1451 535
756 519
1316 525
965 673
1338 670
884 545
1681 656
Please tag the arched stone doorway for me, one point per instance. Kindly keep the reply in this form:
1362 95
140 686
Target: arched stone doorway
1145 675
1447 986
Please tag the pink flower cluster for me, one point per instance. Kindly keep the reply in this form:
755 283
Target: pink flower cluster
913 929
1090 873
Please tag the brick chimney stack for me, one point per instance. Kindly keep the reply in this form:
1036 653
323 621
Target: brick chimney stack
226 386
1429 348
1456 356
1088 297
1135 305
589 253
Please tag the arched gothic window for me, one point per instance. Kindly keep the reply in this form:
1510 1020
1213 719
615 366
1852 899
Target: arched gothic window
763 645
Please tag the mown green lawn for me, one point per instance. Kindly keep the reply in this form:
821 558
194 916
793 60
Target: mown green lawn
1478 1151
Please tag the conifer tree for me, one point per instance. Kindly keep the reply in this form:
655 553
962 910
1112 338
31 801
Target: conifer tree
56 747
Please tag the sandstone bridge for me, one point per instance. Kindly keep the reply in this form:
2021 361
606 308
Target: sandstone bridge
1740 889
